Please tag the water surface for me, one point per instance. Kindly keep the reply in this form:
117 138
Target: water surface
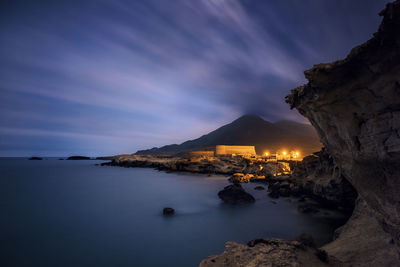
73 213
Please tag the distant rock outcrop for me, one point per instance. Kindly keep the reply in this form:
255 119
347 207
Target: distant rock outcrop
251 130
35 158
78 158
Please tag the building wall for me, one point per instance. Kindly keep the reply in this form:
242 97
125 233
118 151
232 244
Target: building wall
240 150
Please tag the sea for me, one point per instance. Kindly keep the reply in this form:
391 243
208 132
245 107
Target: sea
76 213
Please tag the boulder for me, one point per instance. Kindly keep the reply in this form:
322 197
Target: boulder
168 211
235 194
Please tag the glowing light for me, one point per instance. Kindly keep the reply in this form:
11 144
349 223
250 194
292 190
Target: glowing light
266 154
284 153
297 153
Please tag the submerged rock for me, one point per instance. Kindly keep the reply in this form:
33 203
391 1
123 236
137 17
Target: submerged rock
235 194
168 211
273 194
308 208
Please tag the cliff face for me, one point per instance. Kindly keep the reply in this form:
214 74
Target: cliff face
318 176
355 106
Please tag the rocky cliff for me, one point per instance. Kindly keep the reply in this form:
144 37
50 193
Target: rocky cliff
355 106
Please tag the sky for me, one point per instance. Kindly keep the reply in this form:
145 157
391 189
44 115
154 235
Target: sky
109 77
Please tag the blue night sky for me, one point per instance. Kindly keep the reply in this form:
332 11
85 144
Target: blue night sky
108 77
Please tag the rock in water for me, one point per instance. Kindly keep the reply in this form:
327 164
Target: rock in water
168 211
35 158
235 194
78 158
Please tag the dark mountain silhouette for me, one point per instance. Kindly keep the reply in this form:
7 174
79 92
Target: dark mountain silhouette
252 130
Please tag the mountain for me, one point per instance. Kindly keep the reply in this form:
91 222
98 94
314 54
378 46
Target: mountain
252 130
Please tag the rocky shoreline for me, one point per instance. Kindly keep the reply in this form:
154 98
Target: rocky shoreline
315 180
225 165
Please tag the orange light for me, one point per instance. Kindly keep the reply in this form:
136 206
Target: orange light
266 154
297 153
284 153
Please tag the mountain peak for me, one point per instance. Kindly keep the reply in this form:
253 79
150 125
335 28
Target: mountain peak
251 129
249 117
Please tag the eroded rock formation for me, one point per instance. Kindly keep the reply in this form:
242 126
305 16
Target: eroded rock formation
355 106
316 176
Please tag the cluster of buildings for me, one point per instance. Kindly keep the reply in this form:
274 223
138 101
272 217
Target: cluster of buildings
283 155
247 151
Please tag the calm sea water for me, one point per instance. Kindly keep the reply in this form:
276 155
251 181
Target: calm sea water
73 213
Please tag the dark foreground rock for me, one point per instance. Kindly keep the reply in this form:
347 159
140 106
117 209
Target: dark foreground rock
355 106
362 241
270 252
35 158
78 158
259 188
168 211
235 194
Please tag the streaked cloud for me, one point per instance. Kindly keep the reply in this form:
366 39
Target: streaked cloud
126 75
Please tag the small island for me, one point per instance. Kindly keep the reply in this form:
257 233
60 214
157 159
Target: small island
35 158
78 158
